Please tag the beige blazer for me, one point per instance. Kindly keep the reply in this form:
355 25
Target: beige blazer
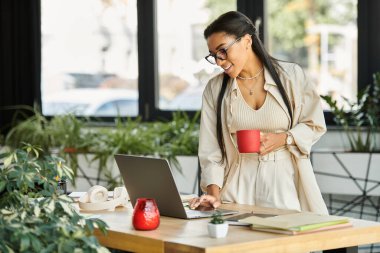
308 126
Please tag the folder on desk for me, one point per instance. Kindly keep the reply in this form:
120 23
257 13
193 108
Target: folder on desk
297 223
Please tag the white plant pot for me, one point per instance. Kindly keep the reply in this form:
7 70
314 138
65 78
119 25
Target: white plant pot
217 230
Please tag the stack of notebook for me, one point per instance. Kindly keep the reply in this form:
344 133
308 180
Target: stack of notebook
297 223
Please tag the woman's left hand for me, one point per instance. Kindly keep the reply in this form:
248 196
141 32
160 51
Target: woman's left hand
271 141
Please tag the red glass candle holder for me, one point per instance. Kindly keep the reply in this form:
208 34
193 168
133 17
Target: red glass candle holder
145 214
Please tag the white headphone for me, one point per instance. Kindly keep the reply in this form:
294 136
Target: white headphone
96 199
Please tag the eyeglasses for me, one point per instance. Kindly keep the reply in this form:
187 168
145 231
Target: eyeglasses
221 54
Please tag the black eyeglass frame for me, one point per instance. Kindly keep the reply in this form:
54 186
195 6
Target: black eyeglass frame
221 54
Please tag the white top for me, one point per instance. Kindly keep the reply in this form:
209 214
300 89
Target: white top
270 117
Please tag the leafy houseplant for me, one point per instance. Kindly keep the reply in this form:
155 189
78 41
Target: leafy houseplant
217 227
361 122
129 136
31 129
163 139
63 134
35 217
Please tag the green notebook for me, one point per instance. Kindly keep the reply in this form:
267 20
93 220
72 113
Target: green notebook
296 222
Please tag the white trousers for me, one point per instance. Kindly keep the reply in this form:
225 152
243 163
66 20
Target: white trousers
267 181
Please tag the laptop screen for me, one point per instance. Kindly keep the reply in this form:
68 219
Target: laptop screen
148 177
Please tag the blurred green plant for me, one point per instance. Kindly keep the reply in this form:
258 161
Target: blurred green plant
69 136
35 216
361 121
166 139
30 129
300 15
63 134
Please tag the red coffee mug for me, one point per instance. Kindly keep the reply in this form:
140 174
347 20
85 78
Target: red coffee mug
145 214
248 141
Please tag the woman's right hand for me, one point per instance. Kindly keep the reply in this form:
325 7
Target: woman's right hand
204 201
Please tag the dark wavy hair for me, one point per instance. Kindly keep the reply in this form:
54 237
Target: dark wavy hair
236 24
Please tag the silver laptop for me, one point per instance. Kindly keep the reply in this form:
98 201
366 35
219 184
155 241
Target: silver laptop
147 177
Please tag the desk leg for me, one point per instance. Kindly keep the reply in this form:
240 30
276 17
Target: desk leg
343 250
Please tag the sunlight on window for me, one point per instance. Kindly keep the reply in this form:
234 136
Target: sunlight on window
183 71
319 35
89 57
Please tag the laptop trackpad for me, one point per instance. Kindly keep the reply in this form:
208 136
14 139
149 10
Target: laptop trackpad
201 212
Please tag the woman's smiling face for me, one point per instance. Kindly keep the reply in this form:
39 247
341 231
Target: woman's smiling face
235 48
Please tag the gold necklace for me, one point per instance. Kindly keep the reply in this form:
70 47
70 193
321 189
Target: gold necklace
250 89
252 77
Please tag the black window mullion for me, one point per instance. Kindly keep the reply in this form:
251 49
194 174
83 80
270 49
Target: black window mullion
368 41
147 56
362 23
254 10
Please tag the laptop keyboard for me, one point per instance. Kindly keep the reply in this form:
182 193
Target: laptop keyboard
197 213
207 213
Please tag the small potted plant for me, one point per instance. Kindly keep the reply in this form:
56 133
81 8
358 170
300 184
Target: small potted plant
217 228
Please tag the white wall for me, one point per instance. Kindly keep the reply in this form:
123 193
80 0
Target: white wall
356 165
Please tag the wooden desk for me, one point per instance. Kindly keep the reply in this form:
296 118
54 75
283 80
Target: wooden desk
177 235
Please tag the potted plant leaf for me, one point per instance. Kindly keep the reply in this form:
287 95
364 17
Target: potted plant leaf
64 135
29 126
81 142
347 171
35 216
359 119
217 228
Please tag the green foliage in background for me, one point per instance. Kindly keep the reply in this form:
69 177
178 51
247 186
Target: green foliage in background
166 139
69 136
290 19
361 121
32 129
35 216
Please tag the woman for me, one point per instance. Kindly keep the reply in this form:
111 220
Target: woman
257 91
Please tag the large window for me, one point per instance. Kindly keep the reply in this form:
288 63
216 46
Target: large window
96 63
89 57
319 35
183 71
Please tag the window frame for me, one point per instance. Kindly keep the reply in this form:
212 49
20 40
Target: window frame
148 57
148 63
148 81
